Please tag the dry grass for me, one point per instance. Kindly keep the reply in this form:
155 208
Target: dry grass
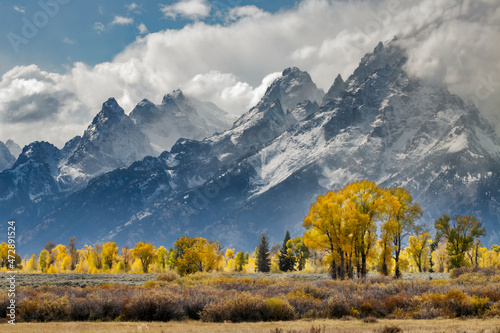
302 326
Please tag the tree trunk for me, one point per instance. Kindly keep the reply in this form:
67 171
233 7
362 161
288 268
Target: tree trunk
333 270
363 265
342 265
397 272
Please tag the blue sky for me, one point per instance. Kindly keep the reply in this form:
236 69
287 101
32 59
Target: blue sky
94 31
55 79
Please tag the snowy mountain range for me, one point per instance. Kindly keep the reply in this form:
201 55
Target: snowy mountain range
262 174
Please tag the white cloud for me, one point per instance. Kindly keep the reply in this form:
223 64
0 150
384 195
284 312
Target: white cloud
190 9
448 42
69 41
237 13
132 6
121 20
20 9
142 29
99 27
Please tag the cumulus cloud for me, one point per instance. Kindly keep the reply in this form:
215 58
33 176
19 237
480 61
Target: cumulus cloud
142 29
238 13
447 41
190 9
121 20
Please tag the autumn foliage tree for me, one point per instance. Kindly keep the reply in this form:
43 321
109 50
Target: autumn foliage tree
344 224
460 233
196 254
145 252
109 254
402 221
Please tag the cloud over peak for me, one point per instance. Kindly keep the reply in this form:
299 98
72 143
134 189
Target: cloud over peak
449 42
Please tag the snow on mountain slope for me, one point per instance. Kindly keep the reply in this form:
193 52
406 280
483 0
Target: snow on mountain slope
262 174
32 175
111 141
394 130
179 117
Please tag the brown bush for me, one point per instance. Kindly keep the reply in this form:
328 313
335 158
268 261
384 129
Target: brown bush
195 299
305 304
4 303
399 301
154 305
45 307
168 277
337 307
485 271
453 304
244 307
277 309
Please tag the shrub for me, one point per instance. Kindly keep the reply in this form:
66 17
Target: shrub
194 300
154 305
305 303
396 301
244 307
4 303
277 309
168 277
80 309
45 307
337 307
484 271
366 309
453 304
480 305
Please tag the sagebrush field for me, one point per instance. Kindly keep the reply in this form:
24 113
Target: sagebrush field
263 297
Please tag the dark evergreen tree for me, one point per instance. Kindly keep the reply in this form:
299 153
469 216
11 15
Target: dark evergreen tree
286 258
263 258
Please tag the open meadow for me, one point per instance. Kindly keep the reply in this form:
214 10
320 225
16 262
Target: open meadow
301 326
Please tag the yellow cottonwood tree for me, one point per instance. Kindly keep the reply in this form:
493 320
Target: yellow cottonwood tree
418 250
344 224
109 254
367 204
403 213
145 252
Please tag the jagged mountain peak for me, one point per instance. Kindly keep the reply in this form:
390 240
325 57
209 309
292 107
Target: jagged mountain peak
335 90
110 111
176 96
293 87
14 148
179 116
384 55
39 152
